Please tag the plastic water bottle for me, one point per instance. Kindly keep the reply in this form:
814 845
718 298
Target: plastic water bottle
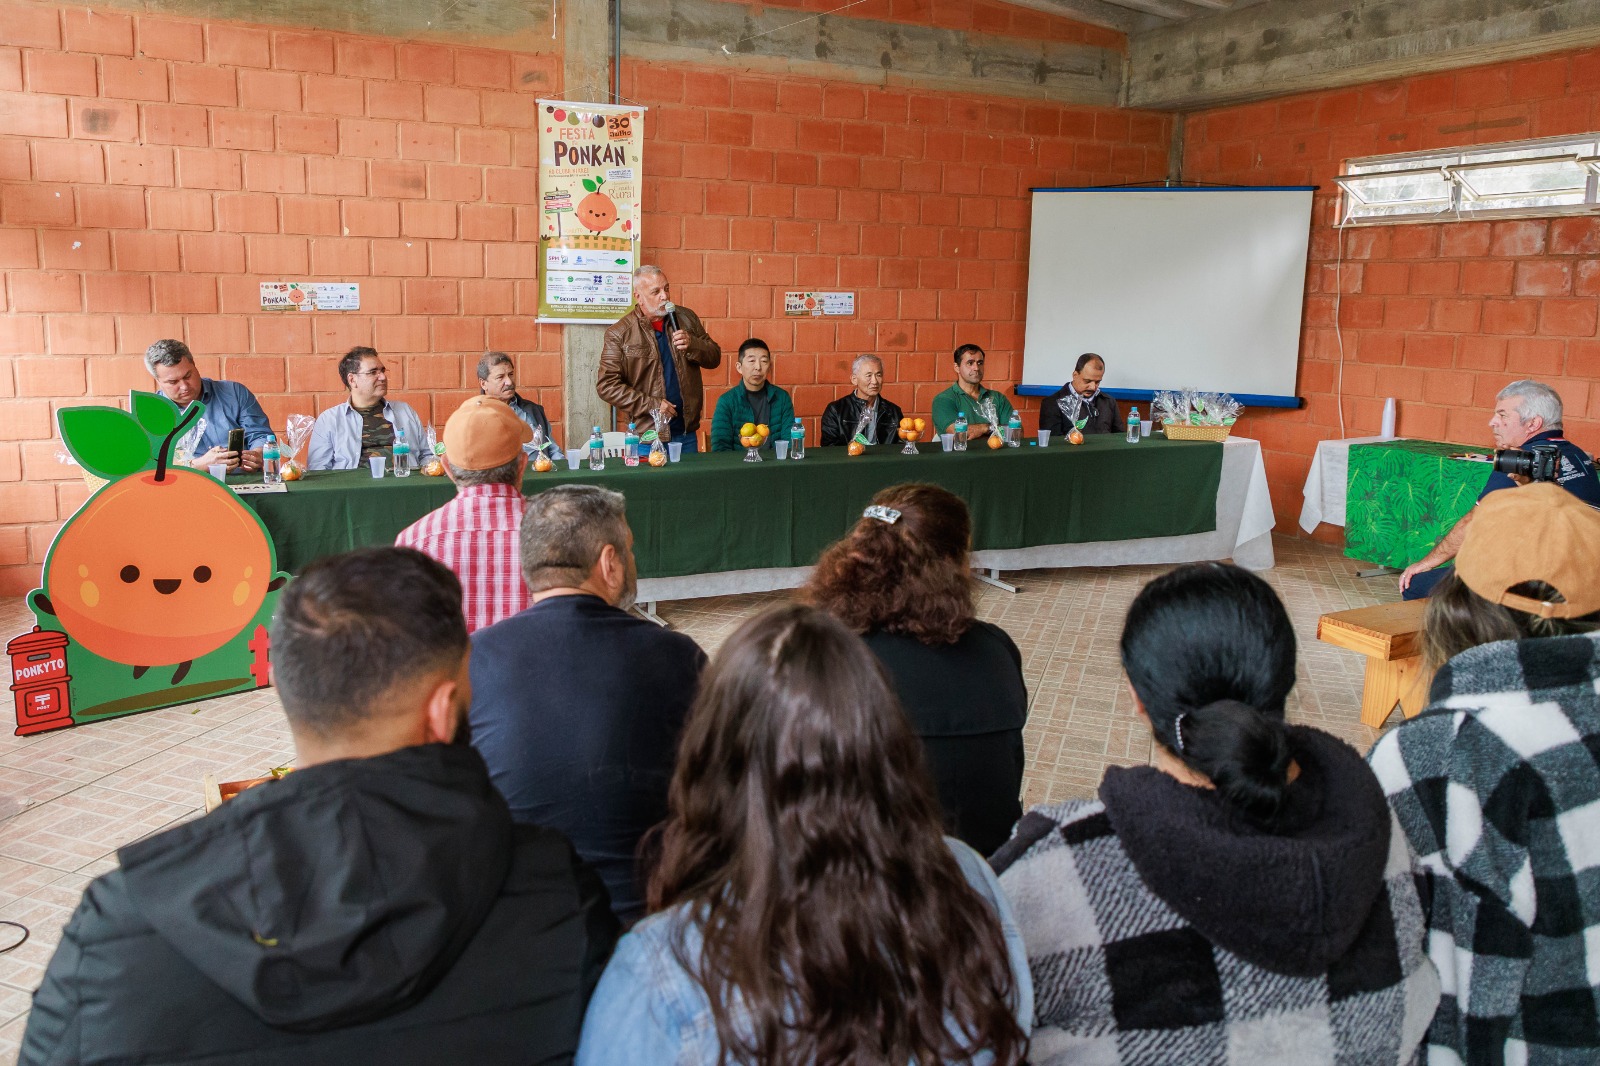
597 450
402 454
797 440
1014 431
1133 426
630 446
271 462
960 432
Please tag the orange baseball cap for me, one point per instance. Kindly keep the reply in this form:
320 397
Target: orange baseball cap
1537 532
484 434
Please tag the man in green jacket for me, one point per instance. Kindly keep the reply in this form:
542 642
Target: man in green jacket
755 400
968 397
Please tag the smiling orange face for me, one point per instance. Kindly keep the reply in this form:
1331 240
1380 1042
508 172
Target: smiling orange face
152 573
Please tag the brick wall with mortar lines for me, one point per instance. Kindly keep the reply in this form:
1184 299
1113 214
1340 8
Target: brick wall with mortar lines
154 170
1440 316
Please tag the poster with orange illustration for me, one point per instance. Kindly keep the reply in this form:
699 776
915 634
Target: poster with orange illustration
158 591
591 159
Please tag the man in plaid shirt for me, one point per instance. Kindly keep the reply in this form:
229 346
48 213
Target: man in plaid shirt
1497 785
476 533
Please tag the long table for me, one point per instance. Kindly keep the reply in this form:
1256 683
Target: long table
1403 496
715 525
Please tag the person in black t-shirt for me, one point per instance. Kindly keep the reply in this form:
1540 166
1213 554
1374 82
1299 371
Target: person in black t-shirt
901 578
1526 413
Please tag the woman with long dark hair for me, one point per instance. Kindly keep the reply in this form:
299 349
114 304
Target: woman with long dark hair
1497 789
902 578
1247 898
805 907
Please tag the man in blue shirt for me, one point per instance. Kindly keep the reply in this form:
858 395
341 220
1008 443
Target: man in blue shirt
1526 413
229 405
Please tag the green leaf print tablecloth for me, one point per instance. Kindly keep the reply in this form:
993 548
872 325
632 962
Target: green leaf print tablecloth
1403 495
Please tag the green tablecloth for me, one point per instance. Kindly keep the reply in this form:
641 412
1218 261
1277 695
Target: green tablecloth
715 513
1403 495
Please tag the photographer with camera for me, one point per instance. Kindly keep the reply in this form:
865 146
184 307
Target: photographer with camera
1529 447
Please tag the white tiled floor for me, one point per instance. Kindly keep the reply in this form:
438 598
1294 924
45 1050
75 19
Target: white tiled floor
69 800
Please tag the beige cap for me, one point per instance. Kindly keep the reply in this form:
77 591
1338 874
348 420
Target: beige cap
1537 532
484 434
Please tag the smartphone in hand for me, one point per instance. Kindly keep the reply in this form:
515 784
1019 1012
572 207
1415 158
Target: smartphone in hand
236 442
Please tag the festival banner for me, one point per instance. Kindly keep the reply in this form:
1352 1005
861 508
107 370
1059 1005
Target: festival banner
590 169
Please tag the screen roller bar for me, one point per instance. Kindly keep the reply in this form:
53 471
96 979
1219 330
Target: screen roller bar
1145 395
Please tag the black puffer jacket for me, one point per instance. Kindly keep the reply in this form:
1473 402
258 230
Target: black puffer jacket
369 910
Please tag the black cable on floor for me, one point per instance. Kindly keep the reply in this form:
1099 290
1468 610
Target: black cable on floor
23 940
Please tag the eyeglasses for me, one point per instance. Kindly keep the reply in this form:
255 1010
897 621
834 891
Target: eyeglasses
374 372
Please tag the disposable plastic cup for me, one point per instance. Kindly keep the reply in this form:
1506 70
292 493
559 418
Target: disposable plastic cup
219 471
1044 438
1144 428
574 458
674 450
377 463
780 448
947 441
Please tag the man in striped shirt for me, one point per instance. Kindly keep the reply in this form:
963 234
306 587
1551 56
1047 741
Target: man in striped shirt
476 534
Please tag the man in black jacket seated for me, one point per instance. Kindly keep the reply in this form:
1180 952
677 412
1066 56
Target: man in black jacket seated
1096 406
376 905
841 417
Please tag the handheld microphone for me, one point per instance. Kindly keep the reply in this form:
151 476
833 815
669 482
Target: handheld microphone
670 314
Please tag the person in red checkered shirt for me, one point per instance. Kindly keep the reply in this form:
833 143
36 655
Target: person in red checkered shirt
476 533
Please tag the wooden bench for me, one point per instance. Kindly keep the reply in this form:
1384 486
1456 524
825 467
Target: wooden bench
1390 636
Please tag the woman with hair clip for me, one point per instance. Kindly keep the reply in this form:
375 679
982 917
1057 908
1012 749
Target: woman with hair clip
1497 788
902 578
1247 898
804 906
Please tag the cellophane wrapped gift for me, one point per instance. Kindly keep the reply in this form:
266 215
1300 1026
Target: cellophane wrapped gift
296 432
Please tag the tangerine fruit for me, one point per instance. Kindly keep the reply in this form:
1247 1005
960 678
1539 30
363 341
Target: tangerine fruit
995 441
763 432
596 212
856 448
920 424
543 465
906 423
128 590
747 430
1075 437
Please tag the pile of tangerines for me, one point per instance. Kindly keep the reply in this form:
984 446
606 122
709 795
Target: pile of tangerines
752 435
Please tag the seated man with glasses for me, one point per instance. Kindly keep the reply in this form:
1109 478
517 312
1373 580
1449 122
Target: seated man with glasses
347 435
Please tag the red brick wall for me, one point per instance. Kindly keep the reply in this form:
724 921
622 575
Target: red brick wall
1439 316
154 171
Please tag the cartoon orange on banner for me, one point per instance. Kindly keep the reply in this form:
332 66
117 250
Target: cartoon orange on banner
161 568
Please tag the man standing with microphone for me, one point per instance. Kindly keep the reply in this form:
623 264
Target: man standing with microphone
652 358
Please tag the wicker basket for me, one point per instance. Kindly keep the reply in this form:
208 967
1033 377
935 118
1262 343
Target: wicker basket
1178 431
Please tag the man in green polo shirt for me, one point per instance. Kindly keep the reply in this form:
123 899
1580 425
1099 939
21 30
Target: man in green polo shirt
755 400
968 397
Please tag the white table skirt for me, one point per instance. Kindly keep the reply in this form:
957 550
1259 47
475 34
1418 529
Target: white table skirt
1243 534
1327 480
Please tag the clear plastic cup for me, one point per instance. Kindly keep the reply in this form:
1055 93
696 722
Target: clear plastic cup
1144 427
1044 438
219 471
947 441
674 450
780 448
574 458
377 463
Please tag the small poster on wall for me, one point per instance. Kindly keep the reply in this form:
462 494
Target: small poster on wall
817 304
590 167
310 296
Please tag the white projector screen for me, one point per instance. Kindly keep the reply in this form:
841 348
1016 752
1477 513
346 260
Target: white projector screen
1176 288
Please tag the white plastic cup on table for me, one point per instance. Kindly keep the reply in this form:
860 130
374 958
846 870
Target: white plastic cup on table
574 458
1145 427
780 448
219 471
377 463
1044 438
947 441
674 450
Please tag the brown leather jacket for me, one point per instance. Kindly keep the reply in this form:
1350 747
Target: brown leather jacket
630 368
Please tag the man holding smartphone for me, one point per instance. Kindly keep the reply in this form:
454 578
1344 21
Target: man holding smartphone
232 411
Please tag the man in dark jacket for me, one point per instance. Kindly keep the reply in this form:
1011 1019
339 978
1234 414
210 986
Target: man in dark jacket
576 703
1096 406
841 417
375 905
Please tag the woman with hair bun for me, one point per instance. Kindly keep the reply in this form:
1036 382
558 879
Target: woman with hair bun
1246 899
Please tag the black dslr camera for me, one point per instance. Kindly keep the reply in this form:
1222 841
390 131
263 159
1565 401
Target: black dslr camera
1537 463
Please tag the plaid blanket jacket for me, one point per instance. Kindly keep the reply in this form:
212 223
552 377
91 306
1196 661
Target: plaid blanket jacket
1122 979
1497 786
